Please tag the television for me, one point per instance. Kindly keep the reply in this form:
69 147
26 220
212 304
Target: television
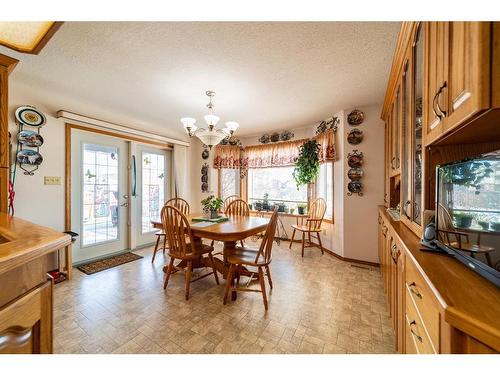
467 216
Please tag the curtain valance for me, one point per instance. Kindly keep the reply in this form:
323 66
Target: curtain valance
327 146
280 154
226 156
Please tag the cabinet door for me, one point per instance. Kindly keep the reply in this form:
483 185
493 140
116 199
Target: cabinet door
400 309
395 123
406 144
436 74
469 71
26 323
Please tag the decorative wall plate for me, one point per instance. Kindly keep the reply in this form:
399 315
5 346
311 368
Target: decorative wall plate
265 138
355 187
355 136
286 135
356 117
355 174
321 127
205 154
355 159
28 115
30 138
275 137
29 157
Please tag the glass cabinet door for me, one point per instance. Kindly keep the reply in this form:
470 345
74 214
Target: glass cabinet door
406 136
418 86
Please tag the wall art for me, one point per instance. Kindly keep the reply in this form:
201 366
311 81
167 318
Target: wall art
205 154
204 178
285 135
355 187
355 174
355 136
331 123
356 117
29 141
355 159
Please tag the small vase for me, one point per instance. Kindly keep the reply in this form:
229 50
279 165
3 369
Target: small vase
213 214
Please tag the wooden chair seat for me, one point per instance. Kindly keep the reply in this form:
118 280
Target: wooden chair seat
198 250
306 228
247 257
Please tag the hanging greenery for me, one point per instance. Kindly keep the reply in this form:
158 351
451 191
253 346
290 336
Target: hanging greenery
307 164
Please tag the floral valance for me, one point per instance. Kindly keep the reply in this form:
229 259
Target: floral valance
226 156
327 146
280 154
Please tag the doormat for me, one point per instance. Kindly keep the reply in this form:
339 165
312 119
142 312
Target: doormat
104 264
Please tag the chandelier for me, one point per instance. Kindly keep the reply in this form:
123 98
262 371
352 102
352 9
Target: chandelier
209 136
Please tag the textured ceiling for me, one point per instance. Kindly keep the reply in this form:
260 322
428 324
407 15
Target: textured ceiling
267 75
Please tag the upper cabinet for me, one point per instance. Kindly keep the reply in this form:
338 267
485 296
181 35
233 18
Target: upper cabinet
458 74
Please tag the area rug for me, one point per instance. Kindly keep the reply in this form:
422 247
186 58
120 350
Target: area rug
104 264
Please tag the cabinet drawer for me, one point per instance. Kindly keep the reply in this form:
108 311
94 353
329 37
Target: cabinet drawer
420 293
417 338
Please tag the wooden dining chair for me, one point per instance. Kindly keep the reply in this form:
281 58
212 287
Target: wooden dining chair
238 207
312 224
260 259
180 204
177 229
228 201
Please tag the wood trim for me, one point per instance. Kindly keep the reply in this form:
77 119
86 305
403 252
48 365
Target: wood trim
35 50
165 146
67 178
8 62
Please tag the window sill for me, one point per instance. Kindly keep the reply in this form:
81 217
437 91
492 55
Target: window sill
255 213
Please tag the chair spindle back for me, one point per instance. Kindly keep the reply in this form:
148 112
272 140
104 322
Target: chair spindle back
316 213
266 246
176 227
181 204
228 201
238 207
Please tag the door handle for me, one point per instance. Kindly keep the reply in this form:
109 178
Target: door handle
435 103
125 196
124 204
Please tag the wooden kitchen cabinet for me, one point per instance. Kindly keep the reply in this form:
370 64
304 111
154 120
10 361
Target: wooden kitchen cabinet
26 323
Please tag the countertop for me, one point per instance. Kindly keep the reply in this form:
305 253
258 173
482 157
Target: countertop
22 241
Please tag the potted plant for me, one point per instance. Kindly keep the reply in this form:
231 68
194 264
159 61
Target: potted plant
211 205
483 224
463 219
307 165
301 207
258 206
292 210
265 202
495 226
281 207
250 206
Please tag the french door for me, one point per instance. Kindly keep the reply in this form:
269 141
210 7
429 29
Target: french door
117 188
99 194
150 177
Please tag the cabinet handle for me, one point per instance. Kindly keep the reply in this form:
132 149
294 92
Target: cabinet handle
379 219
417 336
392 162
398 162
435 103
405 205
414 291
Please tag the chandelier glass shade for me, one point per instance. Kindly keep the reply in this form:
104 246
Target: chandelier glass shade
209 136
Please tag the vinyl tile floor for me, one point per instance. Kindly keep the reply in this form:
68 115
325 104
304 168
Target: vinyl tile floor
319 304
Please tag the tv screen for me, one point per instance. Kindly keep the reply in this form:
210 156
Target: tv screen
468 213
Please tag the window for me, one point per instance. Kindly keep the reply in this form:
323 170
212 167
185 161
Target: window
100 194
229 182
153 189
324 187
278 184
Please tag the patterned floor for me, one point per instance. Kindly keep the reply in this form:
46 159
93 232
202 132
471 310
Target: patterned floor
319 304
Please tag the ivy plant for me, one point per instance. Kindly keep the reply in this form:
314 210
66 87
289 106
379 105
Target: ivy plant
307 164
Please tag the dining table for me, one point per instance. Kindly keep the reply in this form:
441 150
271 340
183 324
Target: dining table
234 229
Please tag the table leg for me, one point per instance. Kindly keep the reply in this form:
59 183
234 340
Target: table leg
229 247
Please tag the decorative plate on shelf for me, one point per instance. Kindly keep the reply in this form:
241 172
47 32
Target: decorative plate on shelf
356 117
275 137
30 157
28 115
265 138
286 135
355 187
205 154
355 136
355 159
355 174
30 138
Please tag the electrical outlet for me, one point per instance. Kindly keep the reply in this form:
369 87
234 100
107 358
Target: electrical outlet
52 180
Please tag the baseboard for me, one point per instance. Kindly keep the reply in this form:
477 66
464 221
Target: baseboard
350 260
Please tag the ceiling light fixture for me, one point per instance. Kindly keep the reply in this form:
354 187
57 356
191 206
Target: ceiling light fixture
209 136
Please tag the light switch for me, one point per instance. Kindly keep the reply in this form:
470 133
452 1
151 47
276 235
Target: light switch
52 180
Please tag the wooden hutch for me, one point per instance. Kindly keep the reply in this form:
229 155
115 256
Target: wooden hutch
442 104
